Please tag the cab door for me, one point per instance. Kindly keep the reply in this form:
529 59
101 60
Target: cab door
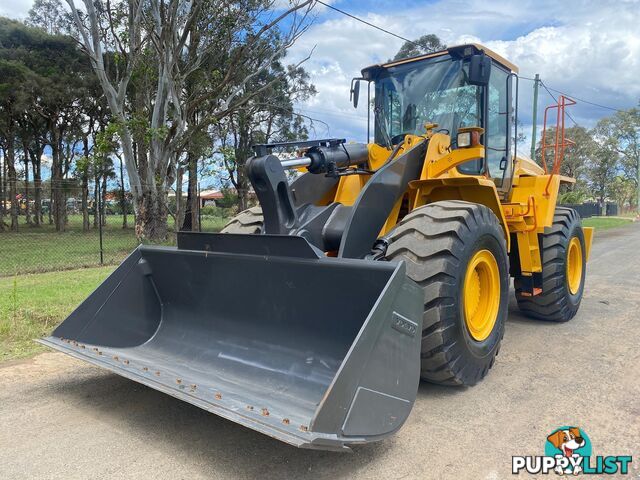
498 128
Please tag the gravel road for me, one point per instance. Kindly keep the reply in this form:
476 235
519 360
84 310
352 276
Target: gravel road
61 418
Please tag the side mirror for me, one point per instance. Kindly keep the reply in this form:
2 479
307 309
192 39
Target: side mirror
479 70
355 92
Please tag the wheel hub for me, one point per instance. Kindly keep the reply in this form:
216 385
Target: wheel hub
574 265
481 295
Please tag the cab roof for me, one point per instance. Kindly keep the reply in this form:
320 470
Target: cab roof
461 50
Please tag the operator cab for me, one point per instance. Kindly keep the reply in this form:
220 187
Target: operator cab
461 87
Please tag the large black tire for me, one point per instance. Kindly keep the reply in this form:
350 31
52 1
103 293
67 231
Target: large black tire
556 302
249 221
437 242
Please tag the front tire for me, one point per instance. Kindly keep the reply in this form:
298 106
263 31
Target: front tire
456 251
249 221
563 271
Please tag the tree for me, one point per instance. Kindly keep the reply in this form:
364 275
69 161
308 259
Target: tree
425 44
52 79
13 78
602 170
84 171
161 30
623 191
623 128
50 16
576 160
268 117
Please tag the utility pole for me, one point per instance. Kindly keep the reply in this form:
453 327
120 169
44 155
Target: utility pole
535 116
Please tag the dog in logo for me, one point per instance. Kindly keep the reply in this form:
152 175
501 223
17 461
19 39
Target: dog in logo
567 441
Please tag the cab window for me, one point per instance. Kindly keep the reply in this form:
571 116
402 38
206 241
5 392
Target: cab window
496 127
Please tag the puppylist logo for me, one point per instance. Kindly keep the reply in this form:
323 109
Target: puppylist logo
568 450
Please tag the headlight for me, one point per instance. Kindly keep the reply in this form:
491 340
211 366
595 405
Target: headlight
469 136
464 139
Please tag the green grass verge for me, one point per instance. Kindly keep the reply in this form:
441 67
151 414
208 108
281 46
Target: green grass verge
31 306
603 223
42 249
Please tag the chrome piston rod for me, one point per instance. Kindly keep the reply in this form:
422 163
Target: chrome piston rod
296 162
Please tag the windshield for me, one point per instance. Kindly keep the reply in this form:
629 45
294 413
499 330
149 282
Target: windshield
433 91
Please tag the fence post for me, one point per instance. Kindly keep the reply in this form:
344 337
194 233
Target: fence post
99 207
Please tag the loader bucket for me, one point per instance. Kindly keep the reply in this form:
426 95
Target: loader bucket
262 330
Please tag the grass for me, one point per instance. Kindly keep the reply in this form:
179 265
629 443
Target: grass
41 249
603 223
31 306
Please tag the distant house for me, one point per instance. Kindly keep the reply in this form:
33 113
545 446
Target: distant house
210 197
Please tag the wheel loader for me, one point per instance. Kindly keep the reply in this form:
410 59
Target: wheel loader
313 316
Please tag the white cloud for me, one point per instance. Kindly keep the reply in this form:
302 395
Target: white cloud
15 8
588 49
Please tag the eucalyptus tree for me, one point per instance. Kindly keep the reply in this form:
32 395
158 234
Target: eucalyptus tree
623 130
425 44
268 117
163 30
51 16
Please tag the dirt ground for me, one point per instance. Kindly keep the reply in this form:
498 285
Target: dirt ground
61 418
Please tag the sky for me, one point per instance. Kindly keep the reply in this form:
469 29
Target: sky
589 49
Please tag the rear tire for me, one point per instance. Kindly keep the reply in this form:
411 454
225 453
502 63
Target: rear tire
249 221
557 302
439 243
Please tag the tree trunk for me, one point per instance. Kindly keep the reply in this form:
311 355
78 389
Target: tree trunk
103 202
242 152
50 209
27 211
85 203
151 219
96 190
243 188
180 203
123 196
37 183
85 186
191 218
13 179
57 191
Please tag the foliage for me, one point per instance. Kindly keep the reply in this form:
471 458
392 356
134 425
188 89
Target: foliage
621 132
425 44
169 72
604 160
225 212
573 197
229 199
50 16
268 117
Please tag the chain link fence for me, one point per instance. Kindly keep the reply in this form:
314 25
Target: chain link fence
88 239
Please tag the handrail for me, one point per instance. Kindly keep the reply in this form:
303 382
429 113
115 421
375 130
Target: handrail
530 200
560 143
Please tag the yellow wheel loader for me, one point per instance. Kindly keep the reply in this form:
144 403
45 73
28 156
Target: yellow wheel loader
312 317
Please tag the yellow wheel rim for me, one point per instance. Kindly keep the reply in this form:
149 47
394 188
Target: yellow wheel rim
481 294
574 265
